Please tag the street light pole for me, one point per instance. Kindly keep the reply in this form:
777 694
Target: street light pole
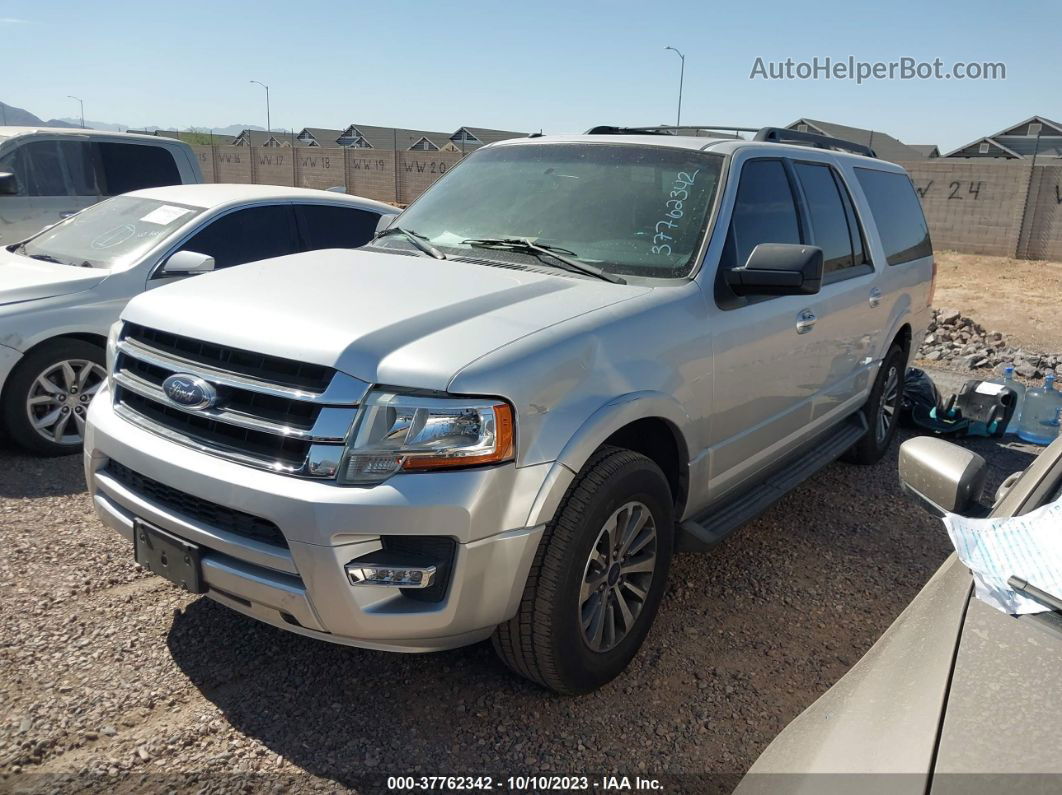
82 102
269 123
682 75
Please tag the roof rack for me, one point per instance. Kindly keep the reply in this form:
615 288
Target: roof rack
782 136
779 135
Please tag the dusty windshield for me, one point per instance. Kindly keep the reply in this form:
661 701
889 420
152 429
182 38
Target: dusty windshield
111 234
628 209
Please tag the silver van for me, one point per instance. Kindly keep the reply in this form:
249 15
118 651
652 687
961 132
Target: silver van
48 174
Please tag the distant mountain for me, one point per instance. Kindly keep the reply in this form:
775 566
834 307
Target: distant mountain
66 121
19 117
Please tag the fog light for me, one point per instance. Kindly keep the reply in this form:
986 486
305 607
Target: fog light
361 573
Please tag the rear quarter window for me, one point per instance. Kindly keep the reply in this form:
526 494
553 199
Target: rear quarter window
897 214
129 167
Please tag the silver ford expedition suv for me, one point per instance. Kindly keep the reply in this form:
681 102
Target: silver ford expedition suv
570 358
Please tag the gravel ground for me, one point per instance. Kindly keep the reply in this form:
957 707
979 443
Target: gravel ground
111 679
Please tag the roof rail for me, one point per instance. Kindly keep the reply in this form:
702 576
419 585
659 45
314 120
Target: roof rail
770 134
783 136
665 129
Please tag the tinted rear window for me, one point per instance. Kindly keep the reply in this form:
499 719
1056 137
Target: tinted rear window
129 167
897 213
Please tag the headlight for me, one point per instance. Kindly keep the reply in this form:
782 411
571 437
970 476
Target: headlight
396 432
112 349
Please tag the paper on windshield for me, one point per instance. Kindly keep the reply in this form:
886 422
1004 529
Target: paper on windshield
1029 547
166 214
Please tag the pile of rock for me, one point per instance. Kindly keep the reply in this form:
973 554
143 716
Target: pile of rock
956 340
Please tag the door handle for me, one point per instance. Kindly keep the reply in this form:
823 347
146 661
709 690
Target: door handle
875 297
805 321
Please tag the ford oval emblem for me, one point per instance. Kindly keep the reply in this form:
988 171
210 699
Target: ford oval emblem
190 392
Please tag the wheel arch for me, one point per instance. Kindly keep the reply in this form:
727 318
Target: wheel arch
650 423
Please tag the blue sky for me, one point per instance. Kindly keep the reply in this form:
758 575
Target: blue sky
559 66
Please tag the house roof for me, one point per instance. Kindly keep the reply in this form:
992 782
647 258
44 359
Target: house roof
400 137
1048 143
324 136
884 145
488 136
263 138
926 150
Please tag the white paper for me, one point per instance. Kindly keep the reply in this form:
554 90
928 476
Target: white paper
1029 547
988 388
166 214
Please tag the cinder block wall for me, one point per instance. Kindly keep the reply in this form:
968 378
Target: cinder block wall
978 206
975 206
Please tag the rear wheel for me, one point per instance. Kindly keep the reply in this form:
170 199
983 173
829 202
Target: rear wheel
882 410
597 579
47 396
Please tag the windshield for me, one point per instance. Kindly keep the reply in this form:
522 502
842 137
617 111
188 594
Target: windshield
628 209
113 233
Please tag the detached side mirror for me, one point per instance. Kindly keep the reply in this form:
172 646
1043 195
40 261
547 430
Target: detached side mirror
778 269
8 184
941 476
187 263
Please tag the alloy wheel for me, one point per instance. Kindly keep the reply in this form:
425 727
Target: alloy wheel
59 397
890 403
617 576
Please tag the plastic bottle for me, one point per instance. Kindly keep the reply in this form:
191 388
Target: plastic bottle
1040 414
1019 390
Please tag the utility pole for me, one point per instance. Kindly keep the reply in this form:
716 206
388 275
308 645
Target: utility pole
682 75
82 103
269 123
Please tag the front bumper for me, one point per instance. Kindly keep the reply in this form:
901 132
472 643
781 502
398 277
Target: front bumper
302 587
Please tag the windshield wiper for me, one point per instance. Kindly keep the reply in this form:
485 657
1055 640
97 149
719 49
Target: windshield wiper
419 241
540 249
47 258
1027 589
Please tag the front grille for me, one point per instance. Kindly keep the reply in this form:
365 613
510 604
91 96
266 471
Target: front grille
270 412
209 513
274 369
267 446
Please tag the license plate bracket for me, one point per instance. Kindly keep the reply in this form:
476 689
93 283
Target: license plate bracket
168 556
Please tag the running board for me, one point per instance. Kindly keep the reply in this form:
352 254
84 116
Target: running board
705 531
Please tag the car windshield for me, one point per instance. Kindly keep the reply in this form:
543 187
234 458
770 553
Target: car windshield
111 234
628 209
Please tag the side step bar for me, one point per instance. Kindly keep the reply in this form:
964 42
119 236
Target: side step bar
703 532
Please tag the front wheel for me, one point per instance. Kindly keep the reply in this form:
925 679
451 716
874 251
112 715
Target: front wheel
598 577
882 410
46 397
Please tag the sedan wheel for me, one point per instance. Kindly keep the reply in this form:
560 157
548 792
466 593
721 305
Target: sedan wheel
59 397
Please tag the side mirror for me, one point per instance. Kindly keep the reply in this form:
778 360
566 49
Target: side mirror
778 269
942 476
385 221
186 263
8 184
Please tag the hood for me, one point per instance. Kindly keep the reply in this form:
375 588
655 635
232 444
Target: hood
1004 712
384 318
26 279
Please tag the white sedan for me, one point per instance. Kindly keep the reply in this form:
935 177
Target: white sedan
61 290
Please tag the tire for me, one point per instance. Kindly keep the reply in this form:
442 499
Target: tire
882 410
546 641
46 396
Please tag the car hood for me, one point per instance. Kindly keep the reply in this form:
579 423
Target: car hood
1004 714
26 279
384 318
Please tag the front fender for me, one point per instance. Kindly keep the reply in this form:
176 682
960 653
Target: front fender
598 427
